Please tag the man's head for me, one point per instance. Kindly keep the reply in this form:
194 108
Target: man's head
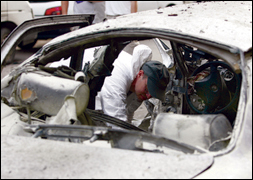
152 81
158 78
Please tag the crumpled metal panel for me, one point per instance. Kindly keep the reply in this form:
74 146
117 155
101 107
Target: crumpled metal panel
55 159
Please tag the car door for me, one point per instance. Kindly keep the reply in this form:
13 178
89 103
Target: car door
39 25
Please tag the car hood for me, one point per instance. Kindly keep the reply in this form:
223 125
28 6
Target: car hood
55 159
214 21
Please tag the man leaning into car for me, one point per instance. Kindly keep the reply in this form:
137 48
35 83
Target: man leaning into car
134 79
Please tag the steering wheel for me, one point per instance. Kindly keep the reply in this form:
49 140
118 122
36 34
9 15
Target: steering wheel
217 91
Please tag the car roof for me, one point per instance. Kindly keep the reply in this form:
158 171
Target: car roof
228 23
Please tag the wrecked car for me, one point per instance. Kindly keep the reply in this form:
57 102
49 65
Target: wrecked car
51 129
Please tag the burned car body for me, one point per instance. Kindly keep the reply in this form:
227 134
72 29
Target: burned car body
202 130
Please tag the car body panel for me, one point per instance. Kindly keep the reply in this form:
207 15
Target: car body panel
100 161
51 159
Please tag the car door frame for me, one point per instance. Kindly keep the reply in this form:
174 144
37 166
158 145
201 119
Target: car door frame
39 25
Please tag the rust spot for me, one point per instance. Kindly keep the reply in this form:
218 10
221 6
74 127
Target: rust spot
237 68
26 94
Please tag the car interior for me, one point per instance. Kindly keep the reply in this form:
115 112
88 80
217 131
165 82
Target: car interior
199 110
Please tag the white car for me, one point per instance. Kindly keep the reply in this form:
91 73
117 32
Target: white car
202 130
14 13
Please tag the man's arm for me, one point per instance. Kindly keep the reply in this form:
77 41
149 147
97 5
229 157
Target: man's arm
64 7
134 6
